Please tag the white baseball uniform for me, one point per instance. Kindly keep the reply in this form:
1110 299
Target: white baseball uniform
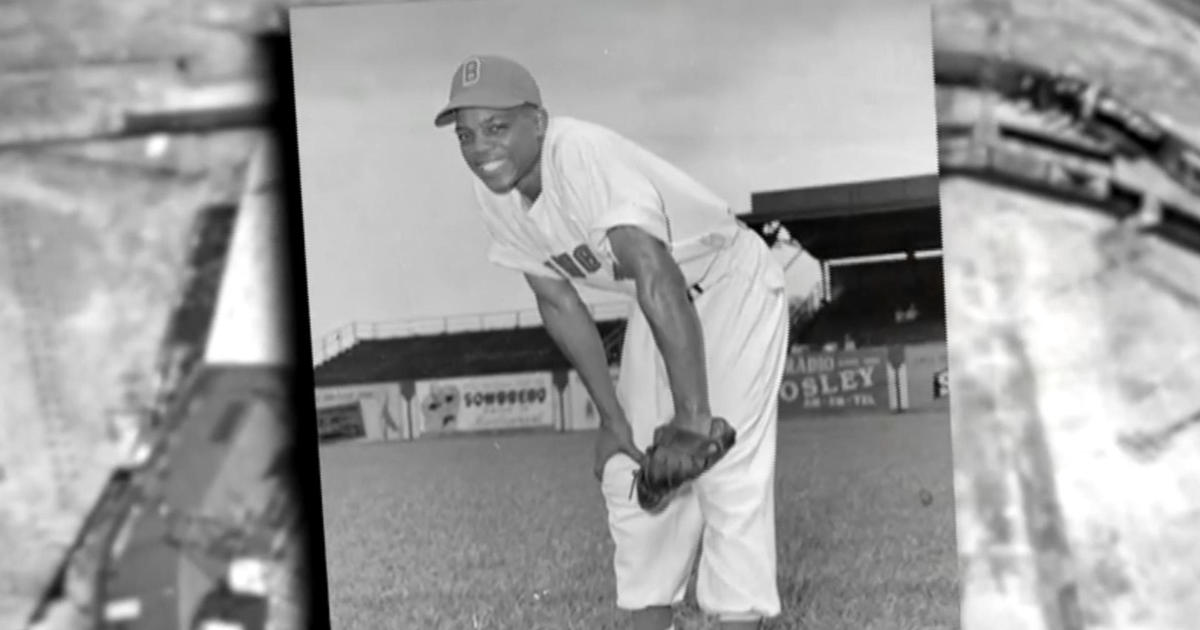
593 179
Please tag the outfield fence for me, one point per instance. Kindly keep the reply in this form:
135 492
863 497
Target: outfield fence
892 379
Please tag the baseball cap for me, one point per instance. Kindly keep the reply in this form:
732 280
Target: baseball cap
489 81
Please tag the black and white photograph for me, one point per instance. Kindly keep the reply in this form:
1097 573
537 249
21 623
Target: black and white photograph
627 315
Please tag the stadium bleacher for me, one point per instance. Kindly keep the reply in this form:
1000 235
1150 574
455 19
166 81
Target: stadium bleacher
873 303
867 322
449 355
879 304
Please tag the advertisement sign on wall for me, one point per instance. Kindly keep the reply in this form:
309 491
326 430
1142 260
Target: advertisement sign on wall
484 403
383 409
581 411
846 380
344 422
928 376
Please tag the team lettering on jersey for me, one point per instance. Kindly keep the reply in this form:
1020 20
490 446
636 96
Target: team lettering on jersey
582 262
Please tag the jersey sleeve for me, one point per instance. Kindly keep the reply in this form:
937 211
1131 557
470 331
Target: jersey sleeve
609 189
504 249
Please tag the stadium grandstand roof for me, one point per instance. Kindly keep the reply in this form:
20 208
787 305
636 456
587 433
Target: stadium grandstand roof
448 355
855 219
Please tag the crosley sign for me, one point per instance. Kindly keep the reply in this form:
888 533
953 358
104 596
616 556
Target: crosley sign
849 379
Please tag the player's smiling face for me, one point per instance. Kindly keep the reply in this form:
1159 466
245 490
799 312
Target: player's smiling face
502 146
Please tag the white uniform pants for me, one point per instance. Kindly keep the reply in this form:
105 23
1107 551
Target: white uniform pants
728 515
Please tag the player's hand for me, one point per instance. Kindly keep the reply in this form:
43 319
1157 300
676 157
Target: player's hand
614 437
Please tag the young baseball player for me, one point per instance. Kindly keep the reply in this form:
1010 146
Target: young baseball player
568 202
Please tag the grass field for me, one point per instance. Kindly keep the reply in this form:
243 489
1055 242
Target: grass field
509 532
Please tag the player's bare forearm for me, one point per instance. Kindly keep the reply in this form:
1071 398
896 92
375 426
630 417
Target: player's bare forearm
571 326
663 298
676 328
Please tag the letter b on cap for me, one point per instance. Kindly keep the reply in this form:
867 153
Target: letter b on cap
470 73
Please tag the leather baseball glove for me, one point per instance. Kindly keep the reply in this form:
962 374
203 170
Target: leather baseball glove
676 457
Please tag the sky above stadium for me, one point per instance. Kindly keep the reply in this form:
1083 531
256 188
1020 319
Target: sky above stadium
746 97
